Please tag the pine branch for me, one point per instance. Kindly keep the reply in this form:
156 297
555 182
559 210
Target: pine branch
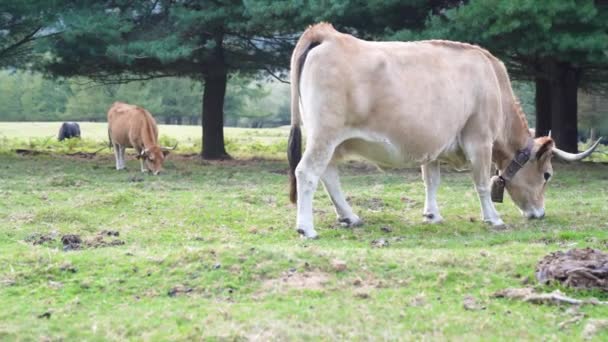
27 38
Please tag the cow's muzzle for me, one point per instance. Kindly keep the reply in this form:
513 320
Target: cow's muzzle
534 214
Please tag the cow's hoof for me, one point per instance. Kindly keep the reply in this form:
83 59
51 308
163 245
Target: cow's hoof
349 222
432 218
497 224
308 234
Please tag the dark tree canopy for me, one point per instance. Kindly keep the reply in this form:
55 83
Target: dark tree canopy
116 41
561 45
21 23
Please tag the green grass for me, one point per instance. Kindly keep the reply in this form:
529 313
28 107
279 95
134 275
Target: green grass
224 230
240 142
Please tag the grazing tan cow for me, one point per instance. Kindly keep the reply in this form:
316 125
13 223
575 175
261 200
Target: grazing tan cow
133 126
395 103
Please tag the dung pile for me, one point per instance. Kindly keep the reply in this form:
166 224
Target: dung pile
577 268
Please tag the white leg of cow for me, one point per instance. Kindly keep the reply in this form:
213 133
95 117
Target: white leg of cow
331 182
119 165
309 170
122 157
480 156
143 166
432 177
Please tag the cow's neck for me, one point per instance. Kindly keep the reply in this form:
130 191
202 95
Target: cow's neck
513 139
148 138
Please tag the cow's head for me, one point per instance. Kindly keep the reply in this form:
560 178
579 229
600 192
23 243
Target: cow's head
527 186
154 157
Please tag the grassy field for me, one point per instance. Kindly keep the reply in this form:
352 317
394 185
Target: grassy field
242 142
208 251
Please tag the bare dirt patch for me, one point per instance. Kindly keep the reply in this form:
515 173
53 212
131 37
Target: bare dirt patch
102 239
359 167
83 155
22 217
179 290
577 268
593 327
99 241
294 280
380 243
372 203
27 152
418 300
472 304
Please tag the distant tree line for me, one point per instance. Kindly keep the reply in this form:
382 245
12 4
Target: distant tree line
27 96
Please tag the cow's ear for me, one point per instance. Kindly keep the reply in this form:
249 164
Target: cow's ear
143 154
166 152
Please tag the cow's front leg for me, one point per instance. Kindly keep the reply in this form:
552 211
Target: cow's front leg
432 177
144 169
331 181
480 156
309 170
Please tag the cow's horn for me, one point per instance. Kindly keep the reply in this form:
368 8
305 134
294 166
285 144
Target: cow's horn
164 148
575 156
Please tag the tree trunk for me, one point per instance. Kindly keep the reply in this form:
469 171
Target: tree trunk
216 78
213 114
543 106
564 89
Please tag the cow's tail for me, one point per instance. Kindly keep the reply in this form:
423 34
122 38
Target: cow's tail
109 138
312 37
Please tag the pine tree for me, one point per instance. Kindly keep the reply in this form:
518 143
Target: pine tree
560 45
21 23
119 41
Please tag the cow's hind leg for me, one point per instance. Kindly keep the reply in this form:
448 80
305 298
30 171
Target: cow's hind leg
431 177
119 164
122 157
480 156
314 162
331 182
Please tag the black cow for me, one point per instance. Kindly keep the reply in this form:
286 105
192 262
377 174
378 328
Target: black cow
69 130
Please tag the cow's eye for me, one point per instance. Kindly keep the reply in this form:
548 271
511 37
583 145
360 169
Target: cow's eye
547 176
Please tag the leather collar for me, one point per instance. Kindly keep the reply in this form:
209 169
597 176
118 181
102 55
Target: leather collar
521 158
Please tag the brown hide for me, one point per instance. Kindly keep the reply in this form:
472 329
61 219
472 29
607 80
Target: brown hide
133 126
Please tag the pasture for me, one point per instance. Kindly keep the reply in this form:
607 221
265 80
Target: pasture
208 249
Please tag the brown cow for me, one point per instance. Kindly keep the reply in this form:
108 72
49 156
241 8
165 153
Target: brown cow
400 102
133 126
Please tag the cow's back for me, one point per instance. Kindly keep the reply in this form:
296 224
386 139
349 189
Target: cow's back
131 126
416 97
